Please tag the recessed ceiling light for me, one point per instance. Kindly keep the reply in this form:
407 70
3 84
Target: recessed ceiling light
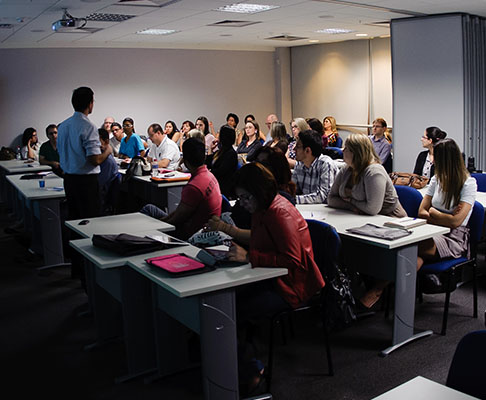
361 34
335 31
156 32
246 8
313 41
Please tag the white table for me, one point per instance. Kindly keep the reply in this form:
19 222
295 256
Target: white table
120 223
43 205
204 303
389 260
420 388
162 194
11 167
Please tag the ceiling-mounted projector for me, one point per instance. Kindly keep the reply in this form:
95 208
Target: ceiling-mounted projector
68 23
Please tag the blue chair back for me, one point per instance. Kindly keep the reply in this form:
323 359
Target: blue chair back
481 181
476 222
467 373
225 204
410 198
336 150
326 245
339 142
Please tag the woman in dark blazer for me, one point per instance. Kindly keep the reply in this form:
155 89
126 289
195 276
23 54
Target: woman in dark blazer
425 160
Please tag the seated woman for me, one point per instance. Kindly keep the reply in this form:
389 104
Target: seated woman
202 124
297 125
330 131
250 145
131 145
186 127
425 160
241 135
224 161
172 132
363 186
278 133
30 145
448 202
279 238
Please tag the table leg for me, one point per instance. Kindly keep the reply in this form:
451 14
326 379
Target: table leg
51 230
219 345
405 284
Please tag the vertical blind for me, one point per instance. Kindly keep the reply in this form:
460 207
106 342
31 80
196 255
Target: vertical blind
474 36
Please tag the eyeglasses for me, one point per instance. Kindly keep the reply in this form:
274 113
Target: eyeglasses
294 126
245 197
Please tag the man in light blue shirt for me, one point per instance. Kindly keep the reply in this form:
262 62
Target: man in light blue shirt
80 155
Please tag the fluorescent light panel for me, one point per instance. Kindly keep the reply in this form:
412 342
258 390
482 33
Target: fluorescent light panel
246 8
156 32
335 31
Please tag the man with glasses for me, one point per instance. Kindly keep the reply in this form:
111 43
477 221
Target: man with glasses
314 172
48 154
164 150
380 143
118 135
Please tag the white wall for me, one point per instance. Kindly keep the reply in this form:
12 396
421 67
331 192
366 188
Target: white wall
148 85
427 83
349 80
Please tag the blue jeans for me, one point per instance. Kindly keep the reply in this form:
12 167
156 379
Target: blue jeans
153 211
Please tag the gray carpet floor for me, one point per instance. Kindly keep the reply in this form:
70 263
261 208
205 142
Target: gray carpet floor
43 336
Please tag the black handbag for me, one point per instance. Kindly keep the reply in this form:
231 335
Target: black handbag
127 245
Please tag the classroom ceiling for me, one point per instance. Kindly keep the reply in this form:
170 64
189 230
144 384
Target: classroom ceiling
199 25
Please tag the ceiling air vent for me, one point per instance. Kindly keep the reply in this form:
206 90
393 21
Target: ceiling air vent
286 38
6 26
234 24
108 17
146 3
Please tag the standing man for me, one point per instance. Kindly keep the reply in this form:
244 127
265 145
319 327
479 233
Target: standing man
48 154
380 143
164 150
314 172
271 118
80 155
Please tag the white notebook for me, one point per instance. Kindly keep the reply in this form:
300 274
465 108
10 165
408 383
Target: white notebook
405 222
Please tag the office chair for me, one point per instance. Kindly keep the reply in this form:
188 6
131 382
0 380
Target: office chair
450 265
467 372
481 181
225 204
333 152
339 142
410 198
388 164
326 245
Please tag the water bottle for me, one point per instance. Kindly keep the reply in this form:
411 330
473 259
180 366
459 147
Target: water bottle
18 156
155 168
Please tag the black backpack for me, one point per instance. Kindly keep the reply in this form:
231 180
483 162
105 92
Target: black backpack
138 166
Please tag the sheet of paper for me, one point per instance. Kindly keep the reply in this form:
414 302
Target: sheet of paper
319 215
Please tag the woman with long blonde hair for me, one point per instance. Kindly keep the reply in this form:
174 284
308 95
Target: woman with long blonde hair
330 130
363 185
448 202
